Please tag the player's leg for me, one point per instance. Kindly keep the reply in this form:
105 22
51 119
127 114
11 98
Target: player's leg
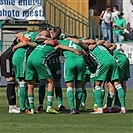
92 80
19 74
79 78
7 72
31 74
110 97
84 95
78 94
124 72
118 86
23 96
70 97
69 76
44 72
59 96
100 78
55 68
11 95
50 94
31 95
121 95
41 95
98 96
103 91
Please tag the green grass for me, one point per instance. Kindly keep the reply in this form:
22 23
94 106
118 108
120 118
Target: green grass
63 122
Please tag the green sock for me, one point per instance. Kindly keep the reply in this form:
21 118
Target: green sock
41 94
98 96
78 96
27 105
117 101
70 97
84 95
93 94
22 94
121 95
50 95
58 93
31 100
110 98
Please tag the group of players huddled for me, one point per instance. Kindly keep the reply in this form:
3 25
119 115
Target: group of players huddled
34 55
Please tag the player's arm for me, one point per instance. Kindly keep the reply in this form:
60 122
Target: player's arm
83 42
23 44
112 47
75 40
89 41
51 42
41 38
100 42
68 49
19 34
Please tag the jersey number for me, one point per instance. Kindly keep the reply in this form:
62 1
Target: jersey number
72 45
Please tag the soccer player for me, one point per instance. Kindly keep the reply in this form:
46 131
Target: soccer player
39 66
19 65
88 75
55 68
7 72
124 72
74 69
107 70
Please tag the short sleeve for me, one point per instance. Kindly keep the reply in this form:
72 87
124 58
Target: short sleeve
124 22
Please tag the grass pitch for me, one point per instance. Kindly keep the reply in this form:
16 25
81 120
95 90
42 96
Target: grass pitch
63 122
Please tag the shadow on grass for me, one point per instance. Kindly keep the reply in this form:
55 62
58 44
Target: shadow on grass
129 110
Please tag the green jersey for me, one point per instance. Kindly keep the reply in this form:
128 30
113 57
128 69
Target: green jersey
123 64
40 52
36 64
20 56
69 43
102 54
74 66
31 35
119 22
21 51
117 54
107 69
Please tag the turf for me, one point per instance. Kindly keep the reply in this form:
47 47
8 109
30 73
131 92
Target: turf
63 122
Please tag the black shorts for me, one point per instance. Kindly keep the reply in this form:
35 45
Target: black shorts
6 63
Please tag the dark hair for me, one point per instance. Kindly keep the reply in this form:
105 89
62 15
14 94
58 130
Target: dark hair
121 14
108 6
116 6
57 30
74 36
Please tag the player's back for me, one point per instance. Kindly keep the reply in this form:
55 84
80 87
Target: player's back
69 43
41 51
102 54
